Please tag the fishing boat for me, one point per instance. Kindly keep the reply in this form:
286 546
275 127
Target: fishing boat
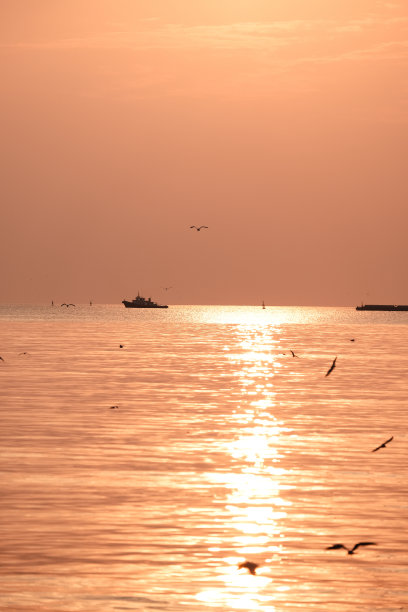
141 302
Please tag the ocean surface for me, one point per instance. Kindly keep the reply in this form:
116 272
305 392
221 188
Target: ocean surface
138 478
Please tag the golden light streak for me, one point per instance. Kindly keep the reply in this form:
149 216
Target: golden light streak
255 505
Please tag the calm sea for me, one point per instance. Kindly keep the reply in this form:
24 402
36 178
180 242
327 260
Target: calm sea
222 447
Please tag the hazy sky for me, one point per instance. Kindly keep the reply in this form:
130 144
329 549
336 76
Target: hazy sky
280 124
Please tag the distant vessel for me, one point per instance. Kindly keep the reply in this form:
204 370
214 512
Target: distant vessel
388 307
141 302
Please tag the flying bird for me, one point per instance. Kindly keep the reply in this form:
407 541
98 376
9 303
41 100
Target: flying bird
333 365
383 444
250 566
167 288
352 340
350 551
113 407
64 304
198 228
1 358
121 345
293 354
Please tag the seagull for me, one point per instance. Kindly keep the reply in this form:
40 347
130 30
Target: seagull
64 304
352 340
24 353
333 365
350 551
1 358
113 407
293 354
250 566
383 444
198 228
167 288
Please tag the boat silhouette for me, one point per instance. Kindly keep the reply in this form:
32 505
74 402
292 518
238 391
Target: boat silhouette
387 307
141 302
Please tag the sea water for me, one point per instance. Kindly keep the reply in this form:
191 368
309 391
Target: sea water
138 478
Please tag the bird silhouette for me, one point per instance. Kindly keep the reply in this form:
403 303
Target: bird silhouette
250 566
350 551
383 444
113 407
333 365
1 358
167 288
121 345
352 340
293 354
67 305
198 228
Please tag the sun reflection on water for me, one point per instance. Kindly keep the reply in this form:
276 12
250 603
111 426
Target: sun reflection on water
255 506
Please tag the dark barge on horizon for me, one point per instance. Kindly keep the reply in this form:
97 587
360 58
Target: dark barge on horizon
386 307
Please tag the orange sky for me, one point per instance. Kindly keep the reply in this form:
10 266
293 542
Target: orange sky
280 124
